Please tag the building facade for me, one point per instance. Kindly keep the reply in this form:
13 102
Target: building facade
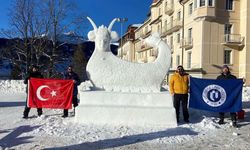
202 34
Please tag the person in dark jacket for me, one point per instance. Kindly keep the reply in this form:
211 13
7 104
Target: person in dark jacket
34 73
70 74
226 74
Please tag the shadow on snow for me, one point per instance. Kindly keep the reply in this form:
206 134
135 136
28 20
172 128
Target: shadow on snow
12 104
131 139
12 138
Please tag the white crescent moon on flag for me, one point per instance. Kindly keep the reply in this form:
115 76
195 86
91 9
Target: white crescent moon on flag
38 92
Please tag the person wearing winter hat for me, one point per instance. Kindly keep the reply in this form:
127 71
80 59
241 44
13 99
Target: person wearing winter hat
226 74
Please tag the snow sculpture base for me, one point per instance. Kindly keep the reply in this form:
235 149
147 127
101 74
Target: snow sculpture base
131 109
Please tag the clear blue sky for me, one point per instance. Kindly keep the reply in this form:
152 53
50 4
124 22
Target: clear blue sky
101 11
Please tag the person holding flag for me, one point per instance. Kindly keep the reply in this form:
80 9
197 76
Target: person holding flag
33 73
221 95
226 74
70 74
178 86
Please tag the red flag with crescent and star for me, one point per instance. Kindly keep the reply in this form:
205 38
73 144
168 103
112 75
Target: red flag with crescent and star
50 93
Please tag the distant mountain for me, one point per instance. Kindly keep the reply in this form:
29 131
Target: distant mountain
70 43
71 38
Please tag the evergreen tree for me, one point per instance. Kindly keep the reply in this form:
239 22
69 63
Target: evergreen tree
16 73
80 62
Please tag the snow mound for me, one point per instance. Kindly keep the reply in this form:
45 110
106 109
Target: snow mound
208 123
12 86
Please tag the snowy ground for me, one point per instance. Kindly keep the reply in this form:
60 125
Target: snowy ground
51 131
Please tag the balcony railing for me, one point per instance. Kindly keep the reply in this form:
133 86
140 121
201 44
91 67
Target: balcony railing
233 39
172 27
145 34
169 9
151 58
186 43
183 1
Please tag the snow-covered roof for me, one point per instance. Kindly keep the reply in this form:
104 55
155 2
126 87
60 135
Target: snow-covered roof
136 25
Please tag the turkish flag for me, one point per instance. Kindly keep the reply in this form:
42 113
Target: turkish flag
50 93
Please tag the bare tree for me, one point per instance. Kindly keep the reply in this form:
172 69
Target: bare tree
36 26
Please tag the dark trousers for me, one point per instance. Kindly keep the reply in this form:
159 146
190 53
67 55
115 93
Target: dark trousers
75 104
27 110
232 114
183 99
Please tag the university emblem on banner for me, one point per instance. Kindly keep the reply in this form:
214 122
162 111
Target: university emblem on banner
214 95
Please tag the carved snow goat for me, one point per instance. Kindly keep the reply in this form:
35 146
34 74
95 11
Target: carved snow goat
110 73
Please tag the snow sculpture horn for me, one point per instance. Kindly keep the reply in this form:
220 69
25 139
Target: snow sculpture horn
111 24
92 23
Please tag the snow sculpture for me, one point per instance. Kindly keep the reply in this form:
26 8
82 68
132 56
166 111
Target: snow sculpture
110 73
125 93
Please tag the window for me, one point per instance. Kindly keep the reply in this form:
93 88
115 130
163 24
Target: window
177 60
171 42
159 29
202 3
228 28
189 59
190 30
190 10
227 56
166 22
171 21
171 63
210 2
179 15
172 2
229 4
195 4
178 37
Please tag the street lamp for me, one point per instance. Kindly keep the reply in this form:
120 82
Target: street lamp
122 21
182 47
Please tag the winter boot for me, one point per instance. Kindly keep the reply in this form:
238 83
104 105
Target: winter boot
39 111
221 121
65 113
26 112
234 124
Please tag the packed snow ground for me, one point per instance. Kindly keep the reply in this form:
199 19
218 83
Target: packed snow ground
51 131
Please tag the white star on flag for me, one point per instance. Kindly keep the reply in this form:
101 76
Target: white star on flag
53 93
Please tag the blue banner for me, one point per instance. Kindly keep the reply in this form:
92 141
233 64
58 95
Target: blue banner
216 95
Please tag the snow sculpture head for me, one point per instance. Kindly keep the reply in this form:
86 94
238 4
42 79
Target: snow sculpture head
102 35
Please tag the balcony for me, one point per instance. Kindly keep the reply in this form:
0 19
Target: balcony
233 40
143 48
171 27
169 9
186 43
207 12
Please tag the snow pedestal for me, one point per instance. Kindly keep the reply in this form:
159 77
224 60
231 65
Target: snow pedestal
115 108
